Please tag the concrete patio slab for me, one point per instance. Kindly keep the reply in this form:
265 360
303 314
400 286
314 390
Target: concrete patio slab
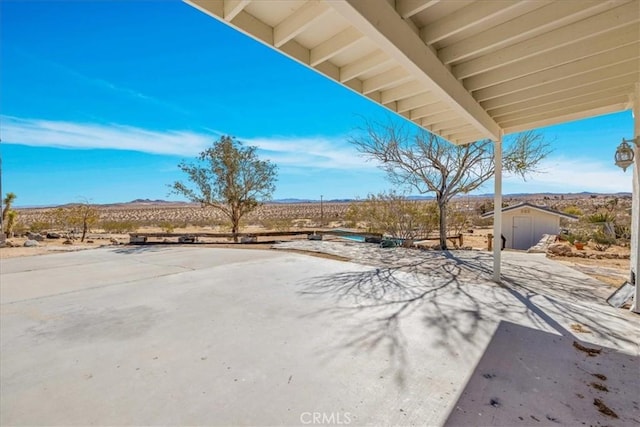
185 335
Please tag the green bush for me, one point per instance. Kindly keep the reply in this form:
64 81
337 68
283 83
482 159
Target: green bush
277 224
623 232
573 210
39 226
577 236
166 226
601 217
118 227
602 241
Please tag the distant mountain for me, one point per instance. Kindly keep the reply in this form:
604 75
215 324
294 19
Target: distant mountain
285 201
420 197
565 195
157 201
167 203
148 202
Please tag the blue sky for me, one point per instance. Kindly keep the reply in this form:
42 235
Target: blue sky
102 100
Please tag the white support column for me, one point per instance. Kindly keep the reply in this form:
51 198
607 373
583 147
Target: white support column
497 211
635 202
2 235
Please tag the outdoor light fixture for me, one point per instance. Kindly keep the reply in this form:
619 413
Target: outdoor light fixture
624 153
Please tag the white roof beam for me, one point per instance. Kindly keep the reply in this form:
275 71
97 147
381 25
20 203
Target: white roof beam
408 8
378 20
419 113
455 133
335 45
299 20
416 101
243 21
403 91
374 96
463 137
393 107
583 55
429 118
466 139
453 124
568 34
563 109
628 70
211 8
546 82
438 108
259 30
544 15
622 84
389 78
370 62
470 16
233 7
593 111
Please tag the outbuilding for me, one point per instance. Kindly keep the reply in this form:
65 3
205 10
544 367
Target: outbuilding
524 224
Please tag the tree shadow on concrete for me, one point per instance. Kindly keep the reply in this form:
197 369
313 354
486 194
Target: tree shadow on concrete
563 290
451 294
372 306
140 249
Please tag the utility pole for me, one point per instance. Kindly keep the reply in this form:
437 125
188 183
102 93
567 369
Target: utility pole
321 213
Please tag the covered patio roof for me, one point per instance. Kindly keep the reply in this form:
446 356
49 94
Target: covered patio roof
465 70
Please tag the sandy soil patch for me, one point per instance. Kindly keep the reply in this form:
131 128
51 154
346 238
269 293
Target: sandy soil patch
49 246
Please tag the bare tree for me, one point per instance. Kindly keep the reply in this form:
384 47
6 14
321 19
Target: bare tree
83 215
430 164
228 177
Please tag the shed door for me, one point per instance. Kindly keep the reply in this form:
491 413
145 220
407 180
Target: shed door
522 232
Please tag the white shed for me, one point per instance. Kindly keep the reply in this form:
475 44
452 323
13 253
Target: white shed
524 224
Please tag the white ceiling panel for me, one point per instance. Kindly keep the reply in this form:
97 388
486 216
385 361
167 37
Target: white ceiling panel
465 70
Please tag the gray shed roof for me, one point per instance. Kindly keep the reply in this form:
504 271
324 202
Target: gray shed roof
531 206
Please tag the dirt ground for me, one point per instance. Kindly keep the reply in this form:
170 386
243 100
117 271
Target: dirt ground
612 272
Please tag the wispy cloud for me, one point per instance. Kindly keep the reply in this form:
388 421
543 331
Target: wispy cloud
318 152
563 174
307 152
60 134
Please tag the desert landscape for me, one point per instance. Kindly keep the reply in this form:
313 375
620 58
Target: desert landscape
608 263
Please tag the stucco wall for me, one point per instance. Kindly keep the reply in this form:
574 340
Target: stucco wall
541 223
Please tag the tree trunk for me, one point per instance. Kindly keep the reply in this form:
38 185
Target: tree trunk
234 231
442 207
235 225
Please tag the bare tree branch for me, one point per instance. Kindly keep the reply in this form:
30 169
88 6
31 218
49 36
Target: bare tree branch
428 164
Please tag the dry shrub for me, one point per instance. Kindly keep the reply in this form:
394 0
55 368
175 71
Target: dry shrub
277 224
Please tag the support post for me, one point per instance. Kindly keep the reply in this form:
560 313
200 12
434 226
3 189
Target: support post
635 204
3 239
497 210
